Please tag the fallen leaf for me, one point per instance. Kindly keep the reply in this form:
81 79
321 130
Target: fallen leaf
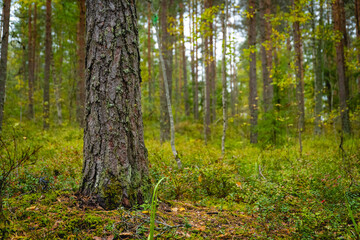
182 209
174 209
32 208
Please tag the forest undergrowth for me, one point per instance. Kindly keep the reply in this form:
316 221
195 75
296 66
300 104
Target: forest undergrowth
253 192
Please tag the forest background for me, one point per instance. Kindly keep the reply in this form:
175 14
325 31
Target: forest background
266 118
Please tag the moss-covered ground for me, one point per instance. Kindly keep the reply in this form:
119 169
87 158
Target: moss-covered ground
253 192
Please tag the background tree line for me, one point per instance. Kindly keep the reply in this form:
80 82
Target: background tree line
289 67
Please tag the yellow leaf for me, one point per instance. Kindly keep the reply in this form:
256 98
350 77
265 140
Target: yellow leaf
182 209
200 179
145 212
31 208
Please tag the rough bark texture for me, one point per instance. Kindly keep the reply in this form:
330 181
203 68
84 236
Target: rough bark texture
338 8
168 56
80 91
48 43
223 77
115 168
319 66
357 16
253 103
3 59
299 68
266 55
31 67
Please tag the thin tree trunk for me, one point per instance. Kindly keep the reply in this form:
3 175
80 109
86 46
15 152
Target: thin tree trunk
184 62
168 101
149 51
192 54
196 93
48 43
207 58
319 66
30 66
168 57
253 103
35 67
80 93
357 16
224 17
213 67
3 59
56 90
338 6
299 68
266 55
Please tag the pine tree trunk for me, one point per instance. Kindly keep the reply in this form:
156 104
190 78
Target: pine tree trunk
213 67
48 43
80 91
30 66
4 55
266 55
115 168
192 49
168 98
319 66
184 62
56 90
35 58
223 77
168 57
150 80
338 8
253 103
208 71
196 92
299 68
357 16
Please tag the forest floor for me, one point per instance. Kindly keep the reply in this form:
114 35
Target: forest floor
253 192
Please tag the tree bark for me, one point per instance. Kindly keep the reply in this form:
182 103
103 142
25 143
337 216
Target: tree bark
168 56
357 16
196 92
48 43
168 99
184 62
224 17
56 90
319 66
115 168
208 70
299 67
35 58
253 103
4 55
149 52
266 55
338 8
80 91
31 66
